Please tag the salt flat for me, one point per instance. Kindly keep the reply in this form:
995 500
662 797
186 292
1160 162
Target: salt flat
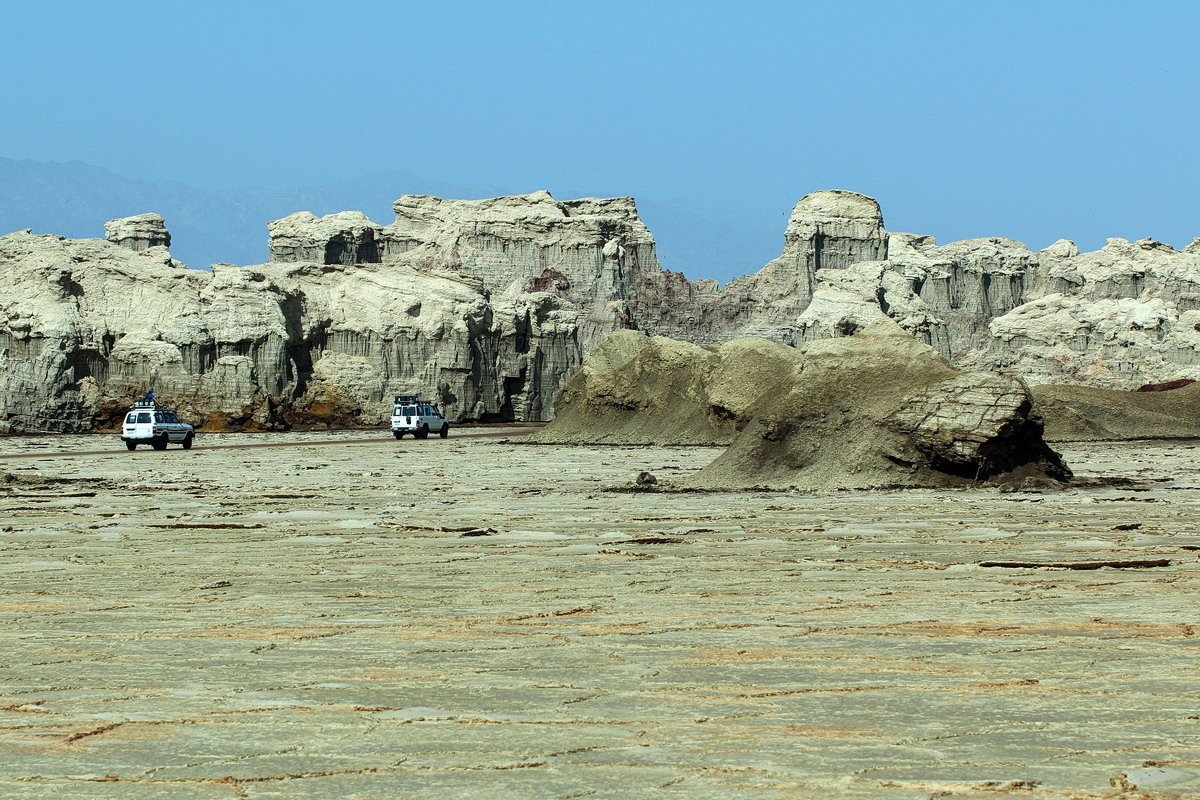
478 618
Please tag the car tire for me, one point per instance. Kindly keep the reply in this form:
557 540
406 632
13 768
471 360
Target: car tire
187 442
424 432
159 442
131 445
445 431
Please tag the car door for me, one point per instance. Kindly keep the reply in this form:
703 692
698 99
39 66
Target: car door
174 429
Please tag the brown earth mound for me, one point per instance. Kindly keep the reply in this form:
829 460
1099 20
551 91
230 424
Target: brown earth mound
880 409
1084 413
634 389
872 410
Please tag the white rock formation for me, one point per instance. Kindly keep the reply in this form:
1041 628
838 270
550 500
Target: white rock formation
487 306
88 324
138 233
1117 317
347 237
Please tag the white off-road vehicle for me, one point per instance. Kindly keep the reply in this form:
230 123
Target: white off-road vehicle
150 423
410 415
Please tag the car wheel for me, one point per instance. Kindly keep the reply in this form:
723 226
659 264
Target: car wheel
398 434
424 431
445 430
131 445
159 442
187 442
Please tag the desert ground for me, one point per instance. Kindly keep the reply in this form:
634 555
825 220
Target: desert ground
478 617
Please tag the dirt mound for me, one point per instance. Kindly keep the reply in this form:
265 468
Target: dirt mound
1084 413
880 409
875 409
634 389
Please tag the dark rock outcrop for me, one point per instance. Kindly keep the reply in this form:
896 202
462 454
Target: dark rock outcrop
1165 386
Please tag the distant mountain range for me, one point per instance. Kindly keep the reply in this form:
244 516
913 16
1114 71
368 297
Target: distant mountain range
230 225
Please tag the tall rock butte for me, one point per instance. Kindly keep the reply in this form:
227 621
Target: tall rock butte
488 306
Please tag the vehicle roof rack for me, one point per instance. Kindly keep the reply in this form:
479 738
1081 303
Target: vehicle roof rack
408 399
156 405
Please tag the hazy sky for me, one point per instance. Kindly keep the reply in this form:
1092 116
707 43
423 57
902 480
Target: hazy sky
1029 120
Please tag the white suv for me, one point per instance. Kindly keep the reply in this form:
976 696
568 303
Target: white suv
152 424
410 415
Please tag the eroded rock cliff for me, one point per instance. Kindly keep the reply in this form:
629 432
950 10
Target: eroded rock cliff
591 252
89 324
487 306
1123 315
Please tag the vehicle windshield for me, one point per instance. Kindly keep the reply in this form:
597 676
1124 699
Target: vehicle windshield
131 419
143 417
409 411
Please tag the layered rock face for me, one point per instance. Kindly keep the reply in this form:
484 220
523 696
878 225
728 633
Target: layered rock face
487 306
347 237
138 233
591 252
832 230
827 232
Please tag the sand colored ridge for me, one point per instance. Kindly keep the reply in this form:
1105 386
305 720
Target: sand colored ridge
634 389
1088 413
877 409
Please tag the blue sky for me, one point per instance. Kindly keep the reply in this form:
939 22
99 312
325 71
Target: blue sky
1029 120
